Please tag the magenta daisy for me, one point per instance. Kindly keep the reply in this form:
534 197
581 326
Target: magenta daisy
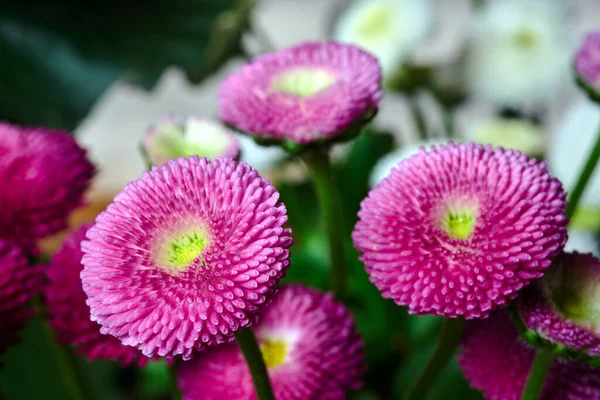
186 256
563 307
495 361
587 64
44 174
182 137
459 229
309 343
307 93
19 283
69 315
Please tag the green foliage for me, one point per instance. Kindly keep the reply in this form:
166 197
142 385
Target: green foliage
58 56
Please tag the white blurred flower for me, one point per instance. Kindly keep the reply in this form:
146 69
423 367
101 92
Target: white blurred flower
572 142
386 164
519 52
261 158
510 133
583 242
390 29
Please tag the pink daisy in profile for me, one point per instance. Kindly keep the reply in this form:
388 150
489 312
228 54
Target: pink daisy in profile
186 256
19 283
587 65
563 307
458 230
309 343
308 93
43 174
176 136
68 314
495 361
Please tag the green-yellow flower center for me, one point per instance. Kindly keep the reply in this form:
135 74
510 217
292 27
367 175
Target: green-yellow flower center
274 352
181 250
459 223
303 82
376 21
574 291
524 39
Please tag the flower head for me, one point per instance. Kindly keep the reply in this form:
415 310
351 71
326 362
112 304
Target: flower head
563 307
309 343
587 64
459 229
495 361
386 164
186 256
43 174
519 52
69 315
181 137
309 93
389 29
19 282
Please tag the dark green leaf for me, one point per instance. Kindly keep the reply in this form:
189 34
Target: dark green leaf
58 56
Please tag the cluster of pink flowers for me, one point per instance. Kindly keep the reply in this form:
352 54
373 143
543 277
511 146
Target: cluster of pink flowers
497 362
43 174
194 251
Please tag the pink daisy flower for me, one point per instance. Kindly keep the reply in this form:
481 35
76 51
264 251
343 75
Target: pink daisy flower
177 136
310 345
186 256
460 229
564 306
311 92
495 361
44 174
587 64
19 283
68 314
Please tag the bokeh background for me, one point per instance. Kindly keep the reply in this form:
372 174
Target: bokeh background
108 70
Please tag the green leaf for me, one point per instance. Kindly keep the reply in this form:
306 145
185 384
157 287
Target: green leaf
58 56
32 361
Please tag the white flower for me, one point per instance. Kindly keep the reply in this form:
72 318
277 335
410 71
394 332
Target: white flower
390 29
519 52
386 164
583 242
572 143
261 158
510 133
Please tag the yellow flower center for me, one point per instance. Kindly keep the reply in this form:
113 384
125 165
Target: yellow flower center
524 39
274 353
182 250
459 218
376 21
303 82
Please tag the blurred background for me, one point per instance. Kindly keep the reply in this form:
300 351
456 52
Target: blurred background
496 72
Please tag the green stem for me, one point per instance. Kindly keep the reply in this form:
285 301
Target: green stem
173 387
418 118
249 346
584 178
66 366
319 166
450 336
537 375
